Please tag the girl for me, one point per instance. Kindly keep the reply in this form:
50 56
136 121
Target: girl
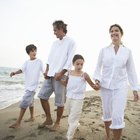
76 86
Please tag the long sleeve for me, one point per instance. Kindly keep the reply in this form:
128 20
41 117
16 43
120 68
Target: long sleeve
132 76
97 73
71 52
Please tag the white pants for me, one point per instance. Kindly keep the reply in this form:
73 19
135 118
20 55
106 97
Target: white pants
75 110
113 104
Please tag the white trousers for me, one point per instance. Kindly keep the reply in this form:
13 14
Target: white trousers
113 105
75 109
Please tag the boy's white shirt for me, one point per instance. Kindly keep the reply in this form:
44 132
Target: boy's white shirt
32 70
114 70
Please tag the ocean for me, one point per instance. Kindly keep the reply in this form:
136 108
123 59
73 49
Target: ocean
12 88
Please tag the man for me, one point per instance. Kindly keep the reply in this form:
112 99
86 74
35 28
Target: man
59 61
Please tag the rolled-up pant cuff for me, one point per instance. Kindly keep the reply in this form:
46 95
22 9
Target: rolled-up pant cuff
117 126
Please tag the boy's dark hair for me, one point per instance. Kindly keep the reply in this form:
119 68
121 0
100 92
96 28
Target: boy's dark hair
77 56
59 24
30 48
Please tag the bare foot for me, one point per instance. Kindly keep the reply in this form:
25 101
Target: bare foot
47 122
16 125
30 120
55 127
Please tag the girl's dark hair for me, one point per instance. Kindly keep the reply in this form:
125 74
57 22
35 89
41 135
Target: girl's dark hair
77 56
116 25
59 24
30 48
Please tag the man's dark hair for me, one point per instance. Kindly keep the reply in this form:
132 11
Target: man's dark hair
59 24
30 48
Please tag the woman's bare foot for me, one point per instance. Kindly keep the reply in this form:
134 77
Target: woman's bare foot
47 122
16 125
30 120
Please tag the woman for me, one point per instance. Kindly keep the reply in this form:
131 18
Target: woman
115 65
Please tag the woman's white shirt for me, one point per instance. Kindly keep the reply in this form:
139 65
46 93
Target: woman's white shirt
114 70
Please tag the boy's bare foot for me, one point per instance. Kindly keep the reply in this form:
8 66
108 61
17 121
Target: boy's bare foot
16 125
30 120
47 122
55 127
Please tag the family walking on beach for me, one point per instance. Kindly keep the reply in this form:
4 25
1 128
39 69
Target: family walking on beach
115 67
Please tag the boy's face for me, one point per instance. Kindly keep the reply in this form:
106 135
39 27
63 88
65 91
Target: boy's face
32 54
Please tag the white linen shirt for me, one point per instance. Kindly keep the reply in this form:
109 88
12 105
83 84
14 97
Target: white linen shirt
114 70
61 55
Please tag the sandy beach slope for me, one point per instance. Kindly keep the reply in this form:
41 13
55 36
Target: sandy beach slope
91 126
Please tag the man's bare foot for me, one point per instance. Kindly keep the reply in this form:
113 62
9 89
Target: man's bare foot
30 120
16 125
47 122
55 127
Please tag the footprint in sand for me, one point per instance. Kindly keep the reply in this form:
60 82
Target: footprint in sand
9 138
60 138
11 120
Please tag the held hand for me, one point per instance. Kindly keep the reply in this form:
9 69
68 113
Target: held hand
96 86
58 76
45 75
11 74
136 96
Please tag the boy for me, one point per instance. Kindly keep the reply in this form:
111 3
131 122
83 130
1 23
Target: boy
31 68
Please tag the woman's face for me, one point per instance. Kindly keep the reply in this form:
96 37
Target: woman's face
115 34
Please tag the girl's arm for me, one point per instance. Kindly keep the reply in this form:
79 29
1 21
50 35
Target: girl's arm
90 82
14 73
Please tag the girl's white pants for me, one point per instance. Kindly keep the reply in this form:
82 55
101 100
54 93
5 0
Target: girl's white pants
113 105
75 110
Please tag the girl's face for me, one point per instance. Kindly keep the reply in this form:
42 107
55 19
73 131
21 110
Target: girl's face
115 34
78 64
32 54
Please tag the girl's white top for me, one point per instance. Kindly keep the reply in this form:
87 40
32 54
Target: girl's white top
76 87
115 70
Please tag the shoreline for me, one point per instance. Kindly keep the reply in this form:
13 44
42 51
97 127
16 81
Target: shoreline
91 126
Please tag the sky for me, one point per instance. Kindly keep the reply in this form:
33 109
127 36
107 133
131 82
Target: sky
24 22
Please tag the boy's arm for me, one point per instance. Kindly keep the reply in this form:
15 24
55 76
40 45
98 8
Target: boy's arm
90 82
46 71
14 73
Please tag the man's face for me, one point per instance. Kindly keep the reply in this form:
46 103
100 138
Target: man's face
58 32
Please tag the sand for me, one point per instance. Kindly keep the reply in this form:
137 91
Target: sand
91 126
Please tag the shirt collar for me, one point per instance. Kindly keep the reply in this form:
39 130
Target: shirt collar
112 45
